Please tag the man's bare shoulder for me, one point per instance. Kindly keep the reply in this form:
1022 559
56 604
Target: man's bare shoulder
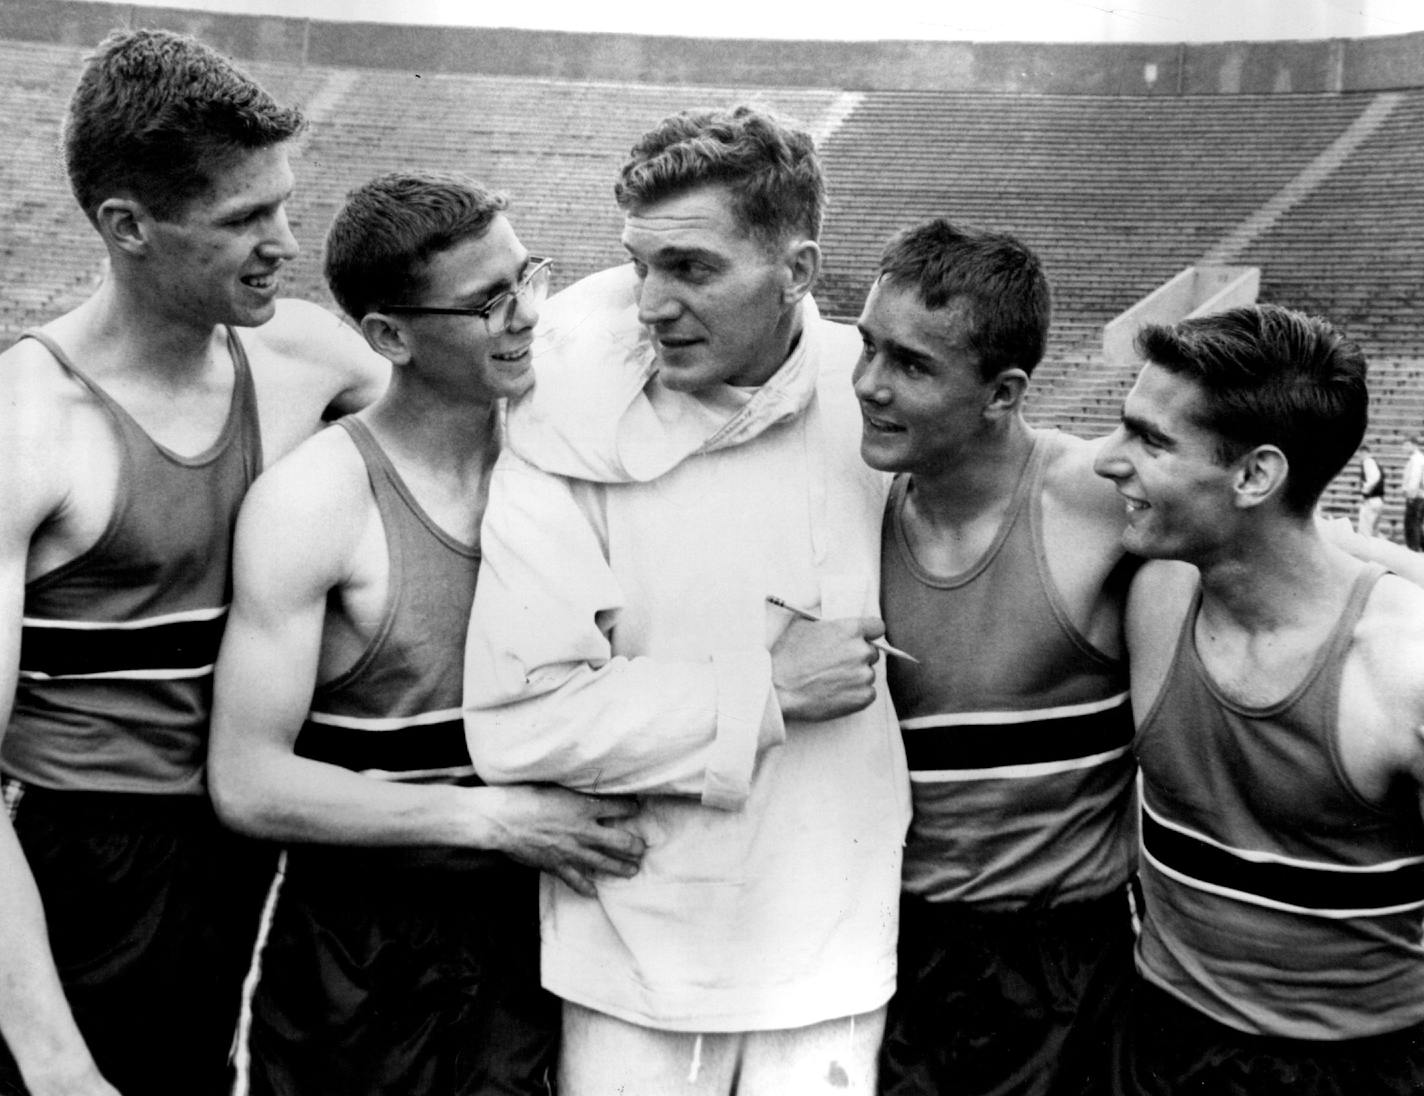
1391 631
307 365
1159 585
32 379
320 479
1070 481
48 422
1382 691
306 336
303 518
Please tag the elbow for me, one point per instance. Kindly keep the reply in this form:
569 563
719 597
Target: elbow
239 802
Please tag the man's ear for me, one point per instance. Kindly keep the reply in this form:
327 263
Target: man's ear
387 336
803 266
124 224
1007 393
1260 475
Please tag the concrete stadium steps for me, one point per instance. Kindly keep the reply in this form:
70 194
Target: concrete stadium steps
1116 193
554 147
49 255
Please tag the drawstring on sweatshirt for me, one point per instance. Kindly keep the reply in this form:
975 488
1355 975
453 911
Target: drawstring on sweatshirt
696 1060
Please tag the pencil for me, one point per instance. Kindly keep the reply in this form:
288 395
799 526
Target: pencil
806 615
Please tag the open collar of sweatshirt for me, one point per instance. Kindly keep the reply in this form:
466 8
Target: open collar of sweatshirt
598 412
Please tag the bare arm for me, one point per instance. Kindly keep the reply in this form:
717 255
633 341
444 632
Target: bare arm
308 366
355 374
35 1017
1406 564
296 535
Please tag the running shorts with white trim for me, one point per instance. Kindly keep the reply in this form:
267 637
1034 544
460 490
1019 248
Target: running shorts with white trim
387 972
1168 1048
152 908
1007 1003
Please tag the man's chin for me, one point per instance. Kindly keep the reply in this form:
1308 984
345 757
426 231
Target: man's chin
875 453
682 378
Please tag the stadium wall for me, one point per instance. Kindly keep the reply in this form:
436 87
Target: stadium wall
1117 69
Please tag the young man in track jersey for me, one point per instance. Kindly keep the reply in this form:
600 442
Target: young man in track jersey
132 427
1003 573
1280 727
403 954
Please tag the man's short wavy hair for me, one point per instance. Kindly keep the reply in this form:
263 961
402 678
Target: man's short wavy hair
999 278
157 116
1269 375
389 228
768 165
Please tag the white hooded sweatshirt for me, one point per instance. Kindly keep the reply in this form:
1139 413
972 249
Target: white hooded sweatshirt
620 644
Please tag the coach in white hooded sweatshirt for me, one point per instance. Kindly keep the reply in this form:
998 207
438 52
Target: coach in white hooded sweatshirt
691 447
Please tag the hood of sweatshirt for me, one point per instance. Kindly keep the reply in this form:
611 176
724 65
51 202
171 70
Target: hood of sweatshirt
598 411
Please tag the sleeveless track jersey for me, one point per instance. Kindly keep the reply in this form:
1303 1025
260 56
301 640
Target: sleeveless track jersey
396 714
118 644
1017 730
400 969
1278 901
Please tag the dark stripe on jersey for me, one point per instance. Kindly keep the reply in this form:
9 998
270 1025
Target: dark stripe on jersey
997 745
1289 884
408 749
175 645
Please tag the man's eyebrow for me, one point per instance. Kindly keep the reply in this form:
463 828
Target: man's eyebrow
1143 428
896 349
676 252
483 294
244 208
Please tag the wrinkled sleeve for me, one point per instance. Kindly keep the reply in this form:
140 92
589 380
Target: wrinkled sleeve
547 700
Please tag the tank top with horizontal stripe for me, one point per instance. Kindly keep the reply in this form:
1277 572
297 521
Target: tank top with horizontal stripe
1017 730
395 714
118 644
1278 900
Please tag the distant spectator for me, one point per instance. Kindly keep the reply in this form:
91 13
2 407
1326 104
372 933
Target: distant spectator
1412 487
1371 492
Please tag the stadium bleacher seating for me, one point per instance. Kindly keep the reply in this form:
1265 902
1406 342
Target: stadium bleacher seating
1323 191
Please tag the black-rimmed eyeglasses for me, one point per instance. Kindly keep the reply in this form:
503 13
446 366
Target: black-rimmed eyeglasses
499 310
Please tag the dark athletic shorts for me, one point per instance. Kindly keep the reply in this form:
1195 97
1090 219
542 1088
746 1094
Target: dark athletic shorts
992 1004
1168 1047
152 909
387 973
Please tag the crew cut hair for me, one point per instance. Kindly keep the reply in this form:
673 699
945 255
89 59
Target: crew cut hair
1269 375
156 116
768 165
999 278
386 232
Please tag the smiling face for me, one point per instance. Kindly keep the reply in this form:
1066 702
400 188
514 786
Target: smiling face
713 298
1179 497
459 349
218 260
921 395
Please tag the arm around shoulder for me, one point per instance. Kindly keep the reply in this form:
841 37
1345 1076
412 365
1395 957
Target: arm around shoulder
1404 563
354 374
